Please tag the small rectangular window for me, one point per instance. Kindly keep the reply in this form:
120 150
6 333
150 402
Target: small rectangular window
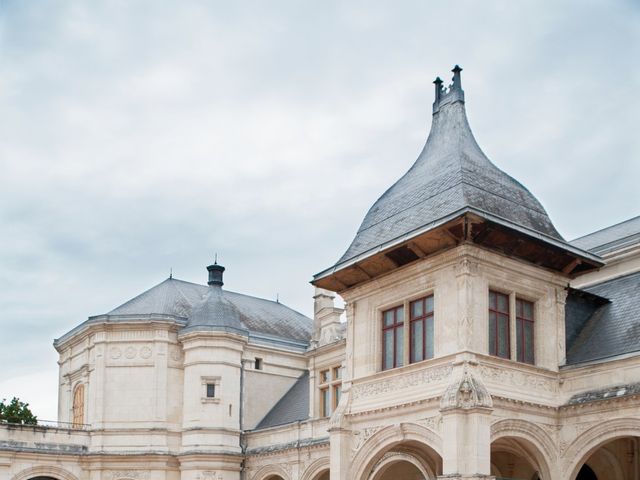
211 390
337 391
499 325
324 376
337 373
258 364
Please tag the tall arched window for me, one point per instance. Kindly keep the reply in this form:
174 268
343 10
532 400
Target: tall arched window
78 406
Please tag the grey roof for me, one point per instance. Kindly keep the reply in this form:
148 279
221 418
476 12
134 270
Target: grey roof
211 307
611 238
609 329
450 174
608 393
292 407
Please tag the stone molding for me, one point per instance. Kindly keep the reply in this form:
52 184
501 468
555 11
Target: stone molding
49 471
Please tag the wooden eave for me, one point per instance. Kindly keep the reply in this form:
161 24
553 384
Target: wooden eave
468 227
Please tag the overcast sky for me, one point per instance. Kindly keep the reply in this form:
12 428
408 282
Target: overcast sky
137 136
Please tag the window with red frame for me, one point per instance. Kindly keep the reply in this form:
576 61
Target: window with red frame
421 329
524 331
393 338
499 325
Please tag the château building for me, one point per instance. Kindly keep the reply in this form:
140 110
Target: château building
475 343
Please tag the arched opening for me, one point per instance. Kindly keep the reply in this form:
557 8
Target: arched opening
410 461
516 459
617 459
40 477
586 474
323 476
274 477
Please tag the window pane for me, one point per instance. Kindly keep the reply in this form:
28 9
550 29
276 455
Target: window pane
429 338
492 333
527 310
324 376
399 346
528 342
492 300
400 315
519 345
416 341
337 373
518 308
388 318
503 303
388 350
325 406
416 309
503 336
429 304
211 390
337 391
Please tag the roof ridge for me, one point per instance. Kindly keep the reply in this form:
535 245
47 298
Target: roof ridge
607 228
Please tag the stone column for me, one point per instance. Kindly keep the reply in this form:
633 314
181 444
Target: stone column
466 408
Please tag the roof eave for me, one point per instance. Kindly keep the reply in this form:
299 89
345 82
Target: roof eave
584 256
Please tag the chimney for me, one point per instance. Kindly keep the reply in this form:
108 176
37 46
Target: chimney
326 318
215 275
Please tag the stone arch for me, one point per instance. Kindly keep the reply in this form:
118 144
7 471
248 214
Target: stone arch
595 437
45 471
540 445
268 471
316 469
387 438
390 458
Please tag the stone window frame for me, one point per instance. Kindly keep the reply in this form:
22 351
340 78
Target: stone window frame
406 304
210 381
331 382
513 296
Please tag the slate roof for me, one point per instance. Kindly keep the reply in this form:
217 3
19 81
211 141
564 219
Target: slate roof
451 174
611 238
195 305
292 407
605 330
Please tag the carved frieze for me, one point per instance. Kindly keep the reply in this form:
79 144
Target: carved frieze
209 475
517 378
432 423
401 382
129 475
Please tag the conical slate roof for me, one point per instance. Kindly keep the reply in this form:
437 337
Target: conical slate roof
451 174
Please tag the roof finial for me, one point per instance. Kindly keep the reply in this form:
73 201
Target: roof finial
456 77
215 259
450 94
170 273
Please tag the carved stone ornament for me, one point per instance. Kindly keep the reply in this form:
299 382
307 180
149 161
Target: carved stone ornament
361 436
466 267
466 392
129 475
401 382
209 475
